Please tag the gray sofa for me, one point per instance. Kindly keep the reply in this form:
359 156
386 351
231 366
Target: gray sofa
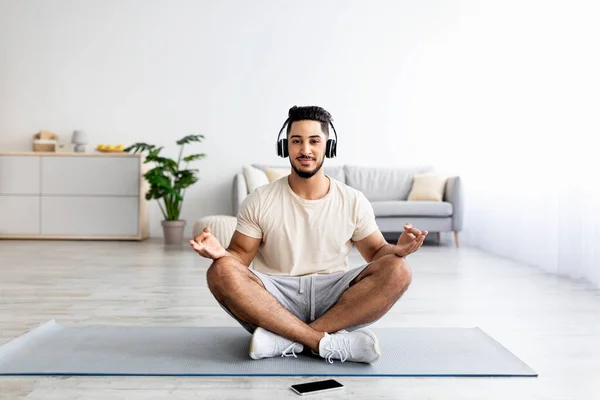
387 189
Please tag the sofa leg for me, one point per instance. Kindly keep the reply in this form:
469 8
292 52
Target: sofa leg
456 239
439 237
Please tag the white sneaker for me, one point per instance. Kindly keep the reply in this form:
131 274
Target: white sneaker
267 344
340 331
358 346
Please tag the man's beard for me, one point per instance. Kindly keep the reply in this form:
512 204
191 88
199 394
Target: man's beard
308 174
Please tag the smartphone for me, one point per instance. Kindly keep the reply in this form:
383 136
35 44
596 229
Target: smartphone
317 387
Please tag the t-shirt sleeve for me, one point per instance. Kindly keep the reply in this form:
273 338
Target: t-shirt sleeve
365 218
248 221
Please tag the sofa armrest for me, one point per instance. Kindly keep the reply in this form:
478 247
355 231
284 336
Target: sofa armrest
454 194
239 192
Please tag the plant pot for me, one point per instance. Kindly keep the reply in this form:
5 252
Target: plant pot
173 231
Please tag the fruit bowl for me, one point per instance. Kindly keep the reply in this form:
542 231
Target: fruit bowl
109 148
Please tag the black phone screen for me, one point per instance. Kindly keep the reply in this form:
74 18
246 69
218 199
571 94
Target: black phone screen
317 386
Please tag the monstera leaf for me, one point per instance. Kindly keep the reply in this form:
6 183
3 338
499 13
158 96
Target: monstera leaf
168 178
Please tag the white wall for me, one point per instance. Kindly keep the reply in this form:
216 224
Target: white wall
437 82
515 89
155 71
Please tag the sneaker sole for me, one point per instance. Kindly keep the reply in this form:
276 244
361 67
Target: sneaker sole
253 345
376 345
251 352
377 350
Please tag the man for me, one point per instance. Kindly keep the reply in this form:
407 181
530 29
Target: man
298 230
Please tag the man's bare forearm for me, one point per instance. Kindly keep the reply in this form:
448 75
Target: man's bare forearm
384 251
231 253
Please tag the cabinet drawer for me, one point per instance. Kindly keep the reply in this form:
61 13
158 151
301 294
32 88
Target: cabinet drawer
19 215
90 216
19 175
105 176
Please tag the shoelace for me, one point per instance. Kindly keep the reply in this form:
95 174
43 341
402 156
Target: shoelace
280 344
339 348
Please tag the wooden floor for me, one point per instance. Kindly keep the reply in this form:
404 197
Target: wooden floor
551 323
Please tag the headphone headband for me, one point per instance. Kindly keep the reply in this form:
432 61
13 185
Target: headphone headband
334 132
288 120
281 130
330 149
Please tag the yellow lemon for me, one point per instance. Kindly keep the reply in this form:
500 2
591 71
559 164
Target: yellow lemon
101 147
120 147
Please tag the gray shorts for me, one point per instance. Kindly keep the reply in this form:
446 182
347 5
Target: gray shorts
307 297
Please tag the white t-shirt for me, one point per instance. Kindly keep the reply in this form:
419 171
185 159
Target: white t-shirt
303 237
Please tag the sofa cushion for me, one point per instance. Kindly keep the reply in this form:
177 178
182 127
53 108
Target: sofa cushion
277 173
428 186
334 172
254 178
379 184
412 208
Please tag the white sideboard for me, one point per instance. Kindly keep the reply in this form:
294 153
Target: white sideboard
73 196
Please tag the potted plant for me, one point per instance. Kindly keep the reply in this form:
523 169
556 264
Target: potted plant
168 181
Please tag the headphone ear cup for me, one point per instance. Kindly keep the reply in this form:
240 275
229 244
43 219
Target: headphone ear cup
282 148
330 149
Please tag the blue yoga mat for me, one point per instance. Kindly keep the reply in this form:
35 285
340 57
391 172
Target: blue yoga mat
52 349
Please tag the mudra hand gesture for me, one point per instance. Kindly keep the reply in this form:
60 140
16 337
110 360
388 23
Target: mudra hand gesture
207 245
409 241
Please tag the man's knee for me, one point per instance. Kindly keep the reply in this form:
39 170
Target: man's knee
220 274
397 274
225 274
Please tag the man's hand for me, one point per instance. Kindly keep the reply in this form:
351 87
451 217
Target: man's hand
409 241
207 245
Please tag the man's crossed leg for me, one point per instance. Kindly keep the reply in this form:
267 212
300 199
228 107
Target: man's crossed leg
366 298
